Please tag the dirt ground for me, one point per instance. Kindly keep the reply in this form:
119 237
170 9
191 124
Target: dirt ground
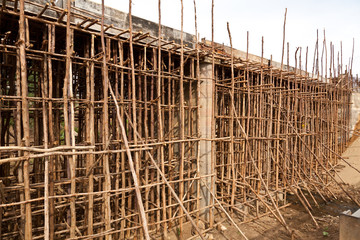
298 220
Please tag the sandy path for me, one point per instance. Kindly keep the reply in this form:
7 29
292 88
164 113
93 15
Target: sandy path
351 155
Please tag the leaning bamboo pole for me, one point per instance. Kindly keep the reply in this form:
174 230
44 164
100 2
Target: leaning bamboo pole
180 202
261 179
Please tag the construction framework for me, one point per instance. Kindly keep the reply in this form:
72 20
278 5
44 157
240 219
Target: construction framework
100 132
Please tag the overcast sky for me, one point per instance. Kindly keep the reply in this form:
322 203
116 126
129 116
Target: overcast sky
264 18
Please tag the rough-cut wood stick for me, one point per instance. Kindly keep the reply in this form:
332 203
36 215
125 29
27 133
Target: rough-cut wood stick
212 182
45 150
279 114
160 122
326 70
182 115
259 173
176 196
349 164
119 157
231 124
283 45
132 168
133 89
322 58
322 165
43 10
44 88
303 103
295 192
105 123
25 120
162 175
90 95
341 59
69 119
352 56
265 203
33 156
317 54
20 174
198 185
226 213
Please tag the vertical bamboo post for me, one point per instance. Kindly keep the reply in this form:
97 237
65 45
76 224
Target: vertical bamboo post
116 127
18 137
51 49
90 96
44 91
160 122
135 170
213 144
279 111
132 90
198 185
159 171
231 124
68 118
132 168
25 119
122 164
182 116
105 124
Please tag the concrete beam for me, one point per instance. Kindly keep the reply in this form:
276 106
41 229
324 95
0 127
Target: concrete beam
118 19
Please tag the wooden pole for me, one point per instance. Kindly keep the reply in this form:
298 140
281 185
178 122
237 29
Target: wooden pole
182 116
106 166
69 119
44 91
213 145
160 121
231 124
25 119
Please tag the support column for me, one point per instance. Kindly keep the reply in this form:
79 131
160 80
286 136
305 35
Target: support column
206 116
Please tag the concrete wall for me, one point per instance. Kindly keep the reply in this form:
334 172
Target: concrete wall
121 20
354 110
206 117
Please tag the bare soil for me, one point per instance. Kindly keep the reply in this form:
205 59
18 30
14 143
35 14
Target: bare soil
298 220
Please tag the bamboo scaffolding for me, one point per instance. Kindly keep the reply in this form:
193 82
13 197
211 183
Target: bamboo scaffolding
79 163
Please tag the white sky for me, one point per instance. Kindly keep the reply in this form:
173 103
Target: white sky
264 18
